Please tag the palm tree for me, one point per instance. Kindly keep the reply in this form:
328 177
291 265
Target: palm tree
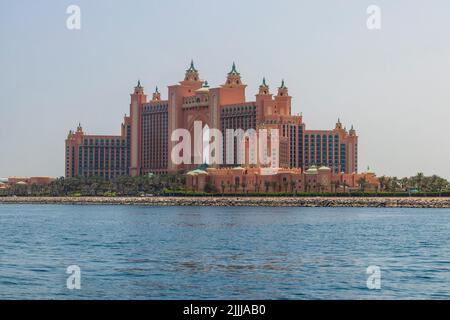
222 186
419 180
335 185
308 186
440 185
267 185
256 186
274 185
345 185
362 182
392 184
293 188
383 181
404 183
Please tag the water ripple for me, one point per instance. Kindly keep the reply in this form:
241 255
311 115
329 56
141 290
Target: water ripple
223 253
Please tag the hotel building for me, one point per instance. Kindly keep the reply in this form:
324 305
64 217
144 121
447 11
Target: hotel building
144 145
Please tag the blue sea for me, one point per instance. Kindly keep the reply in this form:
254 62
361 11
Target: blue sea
139 252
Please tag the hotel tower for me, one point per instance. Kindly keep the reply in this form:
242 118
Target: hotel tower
144 145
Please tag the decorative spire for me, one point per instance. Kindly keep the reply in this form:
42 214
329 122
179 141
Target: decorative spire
191 73
264 88
233 70
205 84
192 67
156 95
283 90
233 78
352 131
139 89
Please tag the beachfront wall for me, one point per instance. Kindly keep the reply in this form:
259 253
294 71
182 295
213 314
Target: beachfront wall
259 180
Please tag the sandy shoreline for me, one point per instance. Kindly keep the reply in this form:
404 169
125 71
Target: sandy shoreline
239 202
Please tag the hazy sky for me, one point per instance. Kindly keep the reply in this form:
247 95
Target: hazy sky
392 84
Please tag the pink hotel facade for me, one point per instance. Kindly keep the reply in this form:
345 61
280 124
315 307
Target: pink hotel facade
144 144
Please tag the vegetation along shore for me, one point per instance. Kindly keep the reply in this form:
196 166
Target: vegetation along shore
168 190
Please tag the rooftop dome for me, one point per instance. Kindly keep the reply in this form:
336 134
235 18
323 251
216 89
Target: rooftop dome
204 88
324 168
312 170
22 183
4 180
238 168
196 171
368 171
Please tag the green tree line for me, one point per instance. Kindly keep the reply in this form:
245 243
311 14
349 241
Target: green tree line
175 184
417 183
97 186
